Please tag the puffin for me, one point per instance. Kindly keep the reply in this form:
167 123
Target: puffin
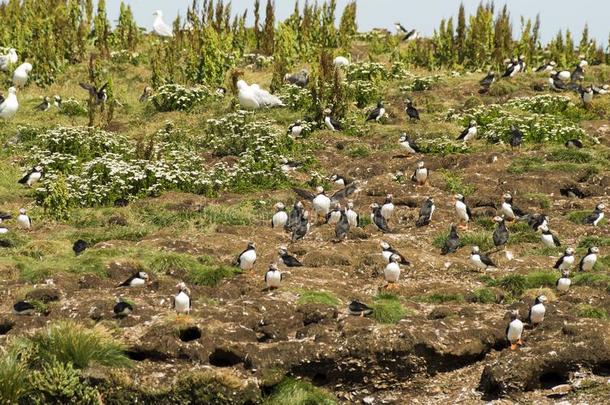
145 94
288 166
588 261
597 215
572 192
334 215
578 74
480 260
300 79
408 145
342 226
400 28
411 111
280 218
566 261
247 258
488 80
377 113
98 95
330 122
301 228
462 210
3 229
547 67
549 239
500 235
512 69
387 209
586 95
138 279
574 144
420 175
537 220
387 251
469 133
32 176
537 311
23 220
321 202
57 101
273 277
425 213
378 219
508 210
182 300
452 243
357 308
45 105
23 308
295 216
514 330
563 283
122 309
516 137
287 259
556 83
391 272
295 129
352 216
339 180
79 247
410 35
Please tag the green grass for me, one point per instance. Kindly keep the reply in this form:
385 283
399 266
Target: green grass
570 155
13 369
297 392
358 151
201 271
516 284
589 311
484 296
541 199
598 241
524 164
591 279
317 297
439 298
455 184
481 239
387 308
231 215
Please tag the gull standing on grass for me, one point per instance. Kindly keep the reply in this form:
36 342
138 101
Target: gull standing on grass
10 105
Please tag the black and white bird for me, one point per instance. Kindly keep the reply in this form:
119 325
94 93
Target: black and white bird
411 111
32 176
411 35
273 277
295 216
334 215
400 29
574 144
330 122
23 220
597 215
296 129
300 230
556 83
537 311
547 67
357 308
566 261
57 101
280 218
408 145
420 175
320 201
462 210
300 79
45 105
387 251
588 261
514 330
79 247
377 113
122 309
98 95
578 74
516 137
182 300
508 210
572 192
138 279
387 208
378 219
563 283
480 260
586 95
548 238
469 133
288 166
23 308
287 259
391 273
535 221
220 91
342 226
145 94
513 68
247 258
425 213
352 216
339 180
452 243
488 80
500 235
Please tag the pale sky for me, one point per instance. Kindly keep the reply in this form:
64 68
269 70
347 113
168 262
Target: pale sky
424 15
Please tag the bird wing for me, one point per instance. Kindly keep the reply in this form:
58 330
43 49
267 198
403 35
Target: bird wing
589 219
558 263
401 27
463 134
403 260
373 114
556 240
304 194
103 87
518 212
126 282
344 192
509 70
468 211
2 99
409 35
291 261
88 87
24 179
486 260
41 106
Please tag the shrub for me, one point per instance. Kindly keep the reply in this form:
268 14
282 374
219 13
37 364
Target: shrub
13 371
73 108
484 296
589 311
514 284
317 297
358 151
175 97
441 145
60 382
296 392
454 183
387 308
420 83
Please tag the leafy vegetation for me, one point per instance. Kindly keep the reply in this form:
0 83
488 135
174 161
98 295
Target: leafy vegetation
387 308
297 392
317 297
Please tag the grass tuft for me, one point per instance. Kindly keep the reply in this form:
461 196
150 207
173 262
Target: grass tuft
297 392
317 297
439 298
455 184
589 311
484 296
387 308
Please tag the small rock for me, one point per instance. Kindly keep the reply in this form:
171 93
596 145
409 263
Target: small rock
368 400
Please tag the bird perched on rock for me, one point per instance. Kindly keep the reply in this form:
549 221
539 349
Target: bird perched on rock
514 330
500 235
280 218
321 202
563 283
57 102
537 311
452 243
378 219
342 226
300 230
462 210
572 192
420 175
588 261
273 277
480 260
391 272
408 145
23 220
9 105
597 215
45 105
287 259
160 27
387 251
32 176
122 309
21 74
469 133
138 279
508 210
330 122
516 137
425 213
352 216
566 261
182 300
247 258
300 79
513 68
377 113
98 95
556 83
548 238
357 308
536 221
411 111
79 247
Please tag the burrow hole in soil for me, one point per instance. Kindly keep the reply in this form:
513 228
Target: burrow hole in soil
551 379
189 334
